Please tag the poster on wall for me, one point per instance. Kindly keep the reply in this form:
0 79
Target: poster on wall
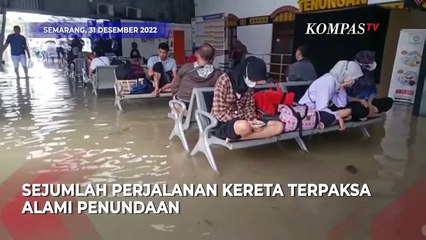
211 29
407 65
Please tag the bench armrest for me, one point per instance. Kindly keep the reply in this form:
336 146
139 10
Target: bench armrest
206 122
118 89
177 109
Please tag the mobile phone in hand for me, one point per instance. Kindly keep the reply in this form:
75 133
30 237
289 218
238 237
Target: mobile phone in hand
260 124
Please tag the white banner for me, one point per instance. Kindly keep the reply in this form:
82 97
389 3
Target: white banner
406 67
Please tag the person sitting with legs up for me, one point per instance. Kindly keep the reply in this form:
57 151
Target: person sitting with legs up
332 87
234 105
162 69
362 95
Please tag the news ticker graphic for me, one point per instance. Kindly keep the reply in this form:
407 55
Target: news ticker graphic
146 196
92 29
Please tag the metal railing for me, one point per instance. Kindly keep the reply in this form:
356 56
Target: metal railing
282 63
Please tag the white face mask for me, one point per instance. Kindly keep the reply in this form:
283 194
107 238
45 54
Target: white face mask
370 67
249 83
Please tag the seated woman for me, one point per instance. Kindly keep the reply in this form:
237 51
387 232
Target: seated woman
99 61
234 106
332 87
362 95
135 54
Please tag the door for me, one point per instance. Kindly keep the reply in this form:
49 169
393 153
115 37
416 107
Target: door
282 49
179 47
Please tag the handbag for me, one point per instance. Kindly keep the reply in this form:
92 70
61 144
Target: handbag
267 102
30 63
299 117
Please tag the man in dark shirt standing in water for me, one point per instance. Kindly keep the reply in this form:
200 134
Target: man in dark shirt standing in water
18 47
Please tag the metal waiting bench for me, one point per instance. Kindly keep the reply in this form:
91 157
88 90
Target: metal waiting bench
78 69
206 123
184 119
122 91
104 78
203 97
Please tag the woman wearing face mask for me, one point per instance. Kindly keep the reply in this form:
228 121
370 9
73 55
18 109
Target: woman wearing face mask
234 106
362 95
332 87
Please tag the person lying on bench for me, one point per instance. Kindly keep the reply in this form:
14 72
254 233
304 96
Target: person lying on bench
234 106
162 69
198 74
332 87
362 95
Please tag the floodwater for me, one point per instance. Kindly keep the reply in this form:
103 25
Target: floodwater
54 131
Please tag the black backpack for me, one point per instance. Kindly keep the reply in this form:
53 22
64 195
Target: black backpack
124 71
116 62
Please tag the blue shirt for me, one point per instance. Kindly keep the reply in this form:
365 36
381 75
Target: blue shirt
169 64
18 43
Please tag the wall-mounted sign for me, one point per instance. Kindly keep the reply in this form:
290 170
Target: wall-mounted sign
319 5
213 16
254 20
284 14
259 20
242 22
399 4
285 17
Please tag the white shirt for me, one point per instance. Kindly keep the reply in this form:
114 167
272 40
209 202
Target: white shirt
99 62
321 92
59 43
169 64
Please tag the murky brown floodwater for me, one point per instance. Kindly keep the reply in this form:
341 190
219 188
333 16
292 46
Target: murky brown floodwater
52 130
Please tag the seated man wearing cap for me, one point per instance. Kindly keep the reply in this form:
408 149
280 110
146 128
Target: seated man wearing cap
362 95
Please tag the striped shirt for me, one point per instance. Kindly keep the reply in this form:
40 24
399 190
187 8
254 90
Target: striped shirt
226 106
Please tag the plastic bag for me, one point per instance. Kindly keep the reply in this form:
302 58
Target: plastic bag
30 63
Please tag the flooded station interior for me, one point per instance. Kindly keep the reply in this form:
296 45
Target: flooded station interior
55 130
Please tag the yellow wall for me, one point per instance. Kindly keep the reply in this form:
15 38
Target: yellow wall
399 19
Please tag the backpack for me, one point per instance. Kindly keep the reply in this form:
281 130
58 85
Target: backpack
124 71
267 102
299 117
116 62
141 88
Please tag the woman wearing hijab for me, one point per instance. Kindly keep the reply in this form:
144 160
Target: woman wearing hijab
362 95
234 106
332 87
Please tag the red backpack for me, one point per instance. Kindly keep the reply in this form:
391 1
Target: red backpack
267 102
